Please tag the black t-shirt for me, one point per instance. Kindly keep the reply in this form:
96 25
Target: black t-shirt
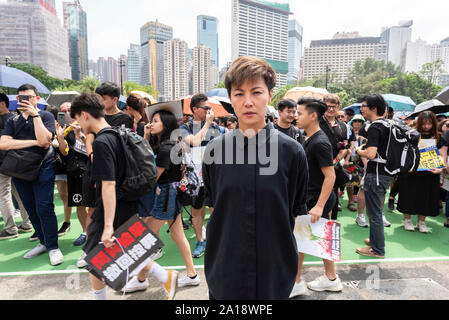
292 132
109 165
119 119
3 119
338 130
319 155
172 172
377 135
140 130
444 140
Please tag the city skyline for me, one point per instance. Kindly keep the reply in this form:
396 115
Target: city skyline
320 19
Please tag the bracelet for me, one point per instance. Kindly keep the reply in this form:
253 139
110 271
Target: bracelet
36 116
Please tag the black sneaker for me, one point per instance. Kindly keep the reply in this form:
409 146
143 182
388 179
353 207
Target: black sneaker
24 230
391 204
80 241
5 235
66 226
34 237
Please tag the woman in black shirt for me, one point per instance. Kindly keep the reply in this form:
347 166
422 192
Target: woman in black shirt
135 108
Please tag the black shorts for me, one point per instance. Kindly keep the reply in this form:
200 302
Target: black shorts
198 201
94 233
327 208
89 191
75 191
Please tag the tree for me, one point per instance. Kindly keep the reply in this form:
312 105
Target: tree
130 86
89 84
220 85
280 93
432 71
41 75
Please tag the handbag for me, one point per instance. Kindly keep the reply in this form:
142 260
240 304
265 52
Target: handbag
24 165
342 175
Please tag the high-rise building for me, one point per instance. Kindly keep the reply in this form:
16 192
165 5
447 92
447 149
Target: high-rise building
396 39
214 76
109 70
123 68
134 63
417 54
152 37
295 33
93 69
75 21
260 29
47 4
207 29
339 55
201 65
30 32
176 69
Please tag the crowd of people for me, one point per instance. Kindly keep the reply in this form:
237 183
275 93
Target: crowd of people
314 141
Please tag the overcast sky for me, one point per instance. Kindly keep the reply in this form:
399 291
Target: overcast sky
114 24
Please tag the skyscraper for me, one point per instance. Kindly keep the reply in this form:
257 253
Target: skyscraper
396 39
176 69
47 4
134 63
201 69
75 21
30 32
152 37
295 32
207 29
260 29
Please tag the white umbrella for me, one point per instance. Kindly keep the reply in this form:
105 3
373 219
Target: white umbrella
299 92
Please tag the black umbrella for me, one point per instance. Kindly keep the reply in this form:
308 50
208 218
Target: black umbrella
443 96
434 105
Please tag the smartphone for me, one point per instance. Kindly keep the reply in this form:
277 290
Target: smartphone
24 98
61 118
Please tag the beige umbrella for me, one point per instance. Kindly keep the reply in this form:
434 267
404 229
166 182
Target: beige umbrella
299 92
145 95
57 98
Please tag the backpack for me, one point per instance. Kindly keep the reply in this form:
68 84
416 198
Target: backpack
140 165
402 154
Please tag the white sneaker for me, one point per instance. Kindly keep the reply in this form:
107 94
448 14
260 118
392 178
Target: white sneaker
81 263
203 233
17 213
422 227
188 282
408 225
299 289
56 257
361 221
135 285
40 249
387 224
324 284
157 255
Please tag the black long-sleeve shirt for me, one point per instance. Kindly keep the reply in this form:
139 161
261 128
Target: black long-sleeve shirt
251 250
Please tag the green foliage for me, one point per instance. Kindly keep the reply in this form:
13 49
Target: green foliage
280 93
220 85
432 70
130 86
41 75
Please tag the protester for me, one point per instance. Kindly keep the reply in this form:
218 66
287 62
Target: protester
165 207
135 108
232 123
186 118
10 230
108 170
349 114
320 196
412 199
32 132
198 133
251 250
377 180
110 93
287 114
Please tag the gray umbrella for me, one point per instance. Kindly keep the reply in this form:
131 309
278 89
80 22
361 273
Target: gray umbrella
443 96
434 105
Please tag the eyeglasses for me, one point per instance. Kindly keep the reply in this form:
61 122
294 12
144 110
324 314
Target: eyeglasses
446 125
340 117
205 108
364 106
333 107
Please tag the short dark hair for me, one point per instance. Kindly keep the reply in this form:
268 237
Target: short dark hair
286 103
27 87
4 98
313 105
53 110
376 101
232 119
91 103
139 104
197 99
350 112
109 89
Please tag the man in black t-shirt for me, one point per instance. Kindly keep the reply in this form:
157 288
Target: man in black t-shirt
108 170
287 114
113 116
377 180
320 196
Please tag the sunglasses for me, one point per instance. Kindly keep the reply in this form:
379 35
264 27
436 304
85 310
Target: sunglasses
205 108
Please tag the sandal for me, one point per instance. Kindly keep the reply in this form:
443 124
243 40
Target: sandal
352 207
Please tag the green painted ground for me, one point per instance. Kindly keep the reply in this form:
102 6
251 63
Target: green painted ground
400 243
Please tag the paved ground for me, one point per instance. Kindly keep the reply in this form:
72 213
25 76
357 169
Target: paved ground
404 281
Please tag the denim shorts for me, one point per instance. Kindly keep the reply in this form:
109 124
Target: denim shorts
61 177
161 204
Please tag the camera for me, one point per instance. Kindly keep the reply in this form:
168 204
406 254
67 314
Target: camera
342 145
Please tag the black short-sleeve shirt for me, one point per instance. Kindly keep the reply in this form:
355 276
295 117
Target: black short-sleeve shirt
377 135
319 155
20 129
119 119
338 131
292 132
172 172
109 165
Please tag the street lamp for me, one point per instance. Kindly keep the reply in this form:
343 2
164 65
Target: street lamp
122 64
7 59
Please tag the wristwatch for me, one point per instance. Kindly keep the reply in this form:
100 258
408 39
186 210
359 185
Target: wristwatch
36 116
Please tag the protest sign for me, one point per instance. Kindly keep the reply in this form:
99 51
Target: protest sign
135 244
430 155
320 239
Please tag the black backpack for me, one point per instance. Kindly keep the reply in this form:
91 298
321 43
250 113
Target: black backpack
402 154
140 171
